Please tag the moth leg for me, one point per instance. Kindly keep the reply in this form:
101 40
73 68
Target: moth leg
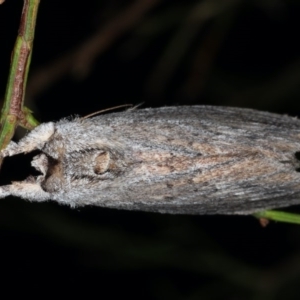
35 139
30 190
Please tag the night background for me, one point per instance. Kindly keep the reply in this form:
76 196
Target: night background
97 54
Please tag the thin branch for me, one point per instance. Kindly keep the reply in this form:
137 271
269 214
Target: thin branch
12 113
204 59
199 14
80 60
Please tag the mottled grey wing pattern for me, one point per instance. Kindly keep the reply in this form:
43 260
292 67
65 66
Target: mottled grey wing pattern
224 160
190 159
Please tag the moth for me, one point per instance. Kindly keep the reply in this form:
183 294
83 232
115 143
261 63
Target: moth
178 160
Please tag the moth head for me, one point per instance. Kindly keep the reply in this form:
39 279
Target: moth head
88 166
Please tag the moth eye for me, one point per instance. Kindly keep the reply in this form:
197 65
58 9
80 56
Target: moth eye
102 163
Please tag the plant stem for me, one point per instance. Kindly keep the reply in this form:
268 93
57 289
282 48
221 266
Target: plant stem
13 113
279 216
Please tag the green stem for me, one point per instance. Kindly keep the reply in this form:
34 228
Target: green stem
279 216
13 112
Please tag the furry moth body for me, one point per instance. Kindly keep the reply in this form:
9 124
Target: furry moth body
187 160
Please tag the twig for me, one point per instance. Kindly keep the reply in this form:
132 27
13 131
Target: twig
202 63
13 113
199 13
279 216
80 60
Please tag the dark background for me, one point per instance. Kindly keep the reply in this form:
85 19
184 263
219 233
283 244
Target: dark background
236 53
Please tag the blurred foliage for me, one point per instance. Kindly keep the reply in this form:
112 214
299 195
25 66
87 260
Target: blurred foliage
235 52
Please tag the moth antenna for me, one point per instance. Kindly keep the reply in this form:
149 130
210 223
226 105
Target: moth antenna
107 109
135 107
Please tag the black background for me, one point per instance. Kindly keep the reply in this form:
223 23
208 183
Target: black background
245 55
